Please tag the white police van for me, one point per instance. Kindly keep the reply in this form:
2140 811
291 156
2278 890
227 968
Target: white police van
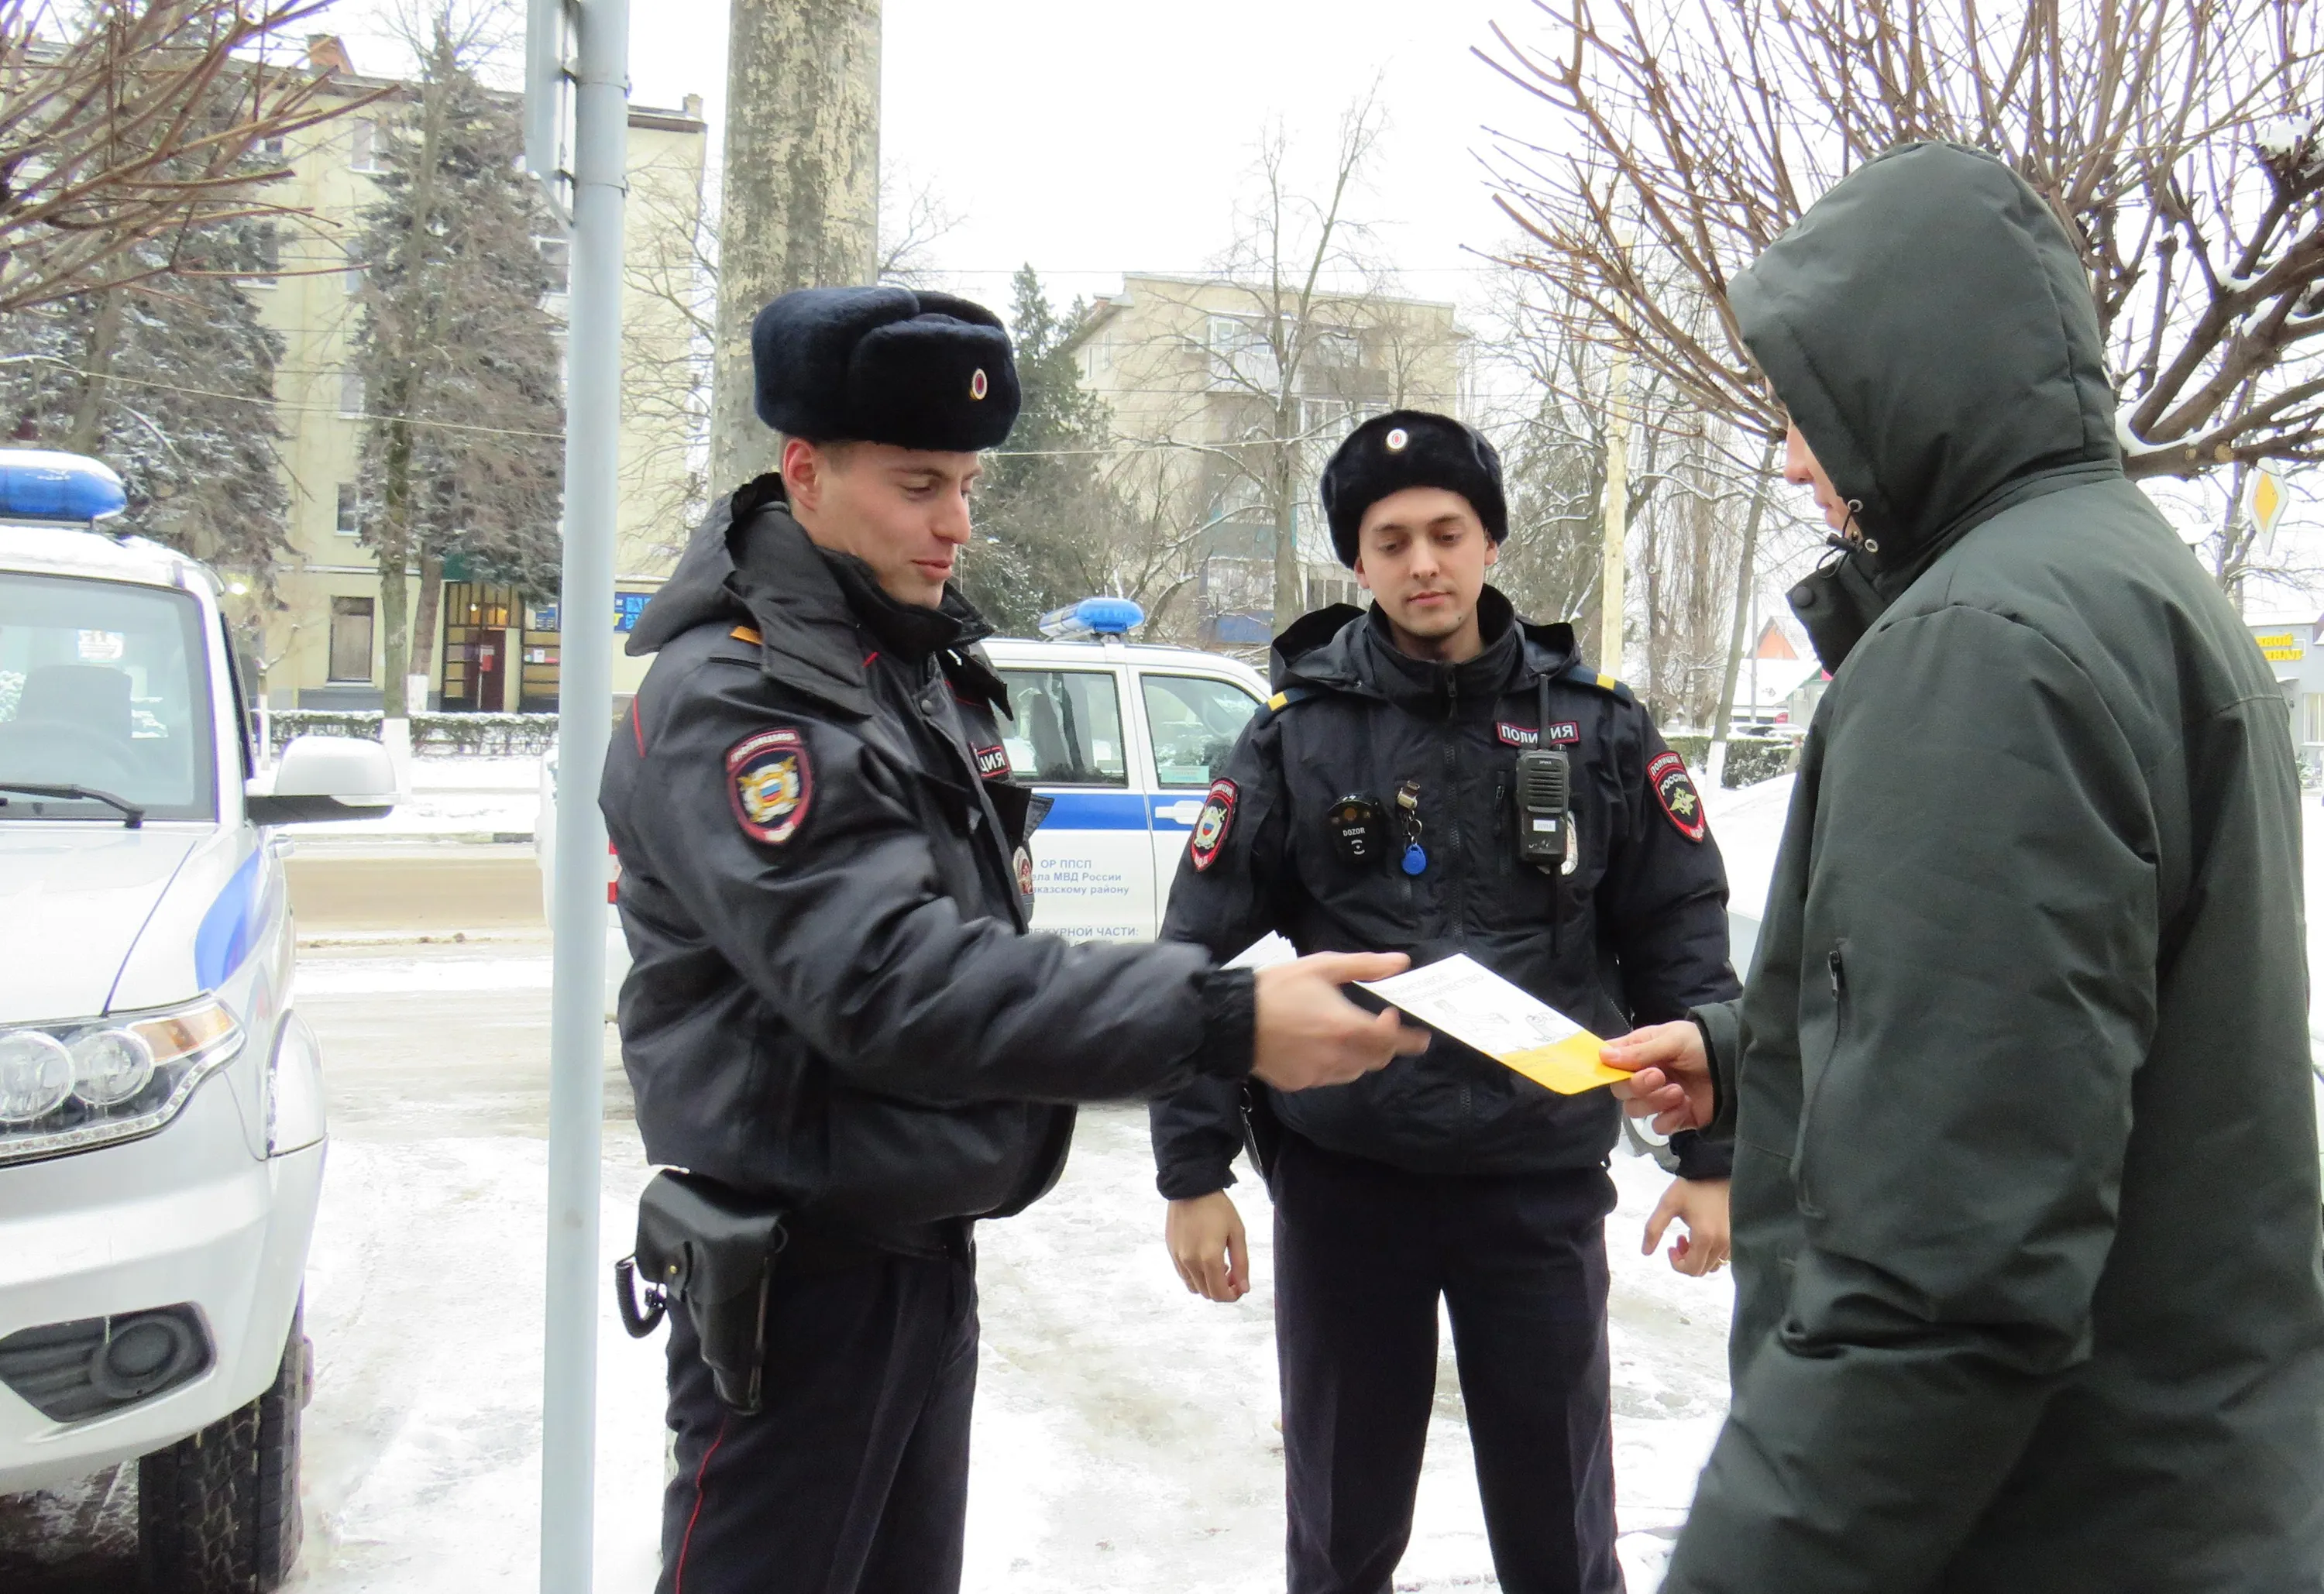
160 1101
1123 738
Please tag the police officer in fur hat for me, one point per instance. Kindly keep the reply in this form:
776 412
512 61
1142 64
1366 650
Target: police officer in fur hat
836 1023
1437 776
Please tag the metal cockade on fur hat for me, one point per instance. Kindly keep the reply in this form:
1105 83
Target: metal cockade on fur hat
1410 449
884 365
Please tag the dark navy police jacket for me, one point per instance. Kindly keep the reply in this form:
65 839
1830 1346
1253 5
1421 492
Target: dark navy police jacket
1636 935
833 1000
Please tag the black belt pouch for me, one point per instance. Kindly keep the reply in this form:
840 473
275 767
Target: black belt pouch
712 1250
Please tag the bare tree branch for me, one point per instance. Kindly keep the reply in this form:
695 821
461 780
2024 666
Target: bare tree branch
132 120
2178 139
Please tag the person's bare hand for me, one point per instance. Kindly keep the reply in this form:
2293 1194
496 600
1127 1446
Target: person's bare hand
1208 1247
1669 1076
1702 1205
1308 1033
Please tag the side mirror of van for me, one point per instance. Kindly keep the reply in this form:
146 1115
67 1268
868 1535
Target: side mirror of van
324 777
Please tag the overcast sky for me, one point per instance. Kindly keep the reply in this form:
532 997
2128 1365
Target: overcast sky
1091 139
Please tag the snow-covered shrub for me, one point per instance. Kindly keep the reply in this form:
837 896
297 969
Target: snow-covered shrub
1749 759
502 735
498 735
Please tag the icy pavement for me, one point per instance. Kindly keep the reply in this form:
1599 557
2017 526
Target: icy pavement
1125 1432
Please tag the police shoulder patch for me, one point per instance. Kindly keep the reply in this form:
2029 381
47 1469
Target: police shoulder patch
770 783
1675 791
1212 824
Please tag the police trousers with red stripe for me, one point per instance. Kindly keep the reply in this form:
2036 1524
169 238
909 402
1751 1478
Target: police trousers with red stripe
853 1478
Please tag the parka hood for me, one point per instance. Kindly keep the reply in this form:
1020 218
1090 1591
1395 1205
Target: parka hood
1929 325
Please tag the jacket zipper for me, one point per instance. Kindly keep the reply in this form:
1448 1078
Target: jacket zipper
1836 966
1459 879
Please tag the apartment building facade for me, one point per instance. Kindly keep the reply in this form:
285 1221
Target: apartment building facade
492 648
1203 414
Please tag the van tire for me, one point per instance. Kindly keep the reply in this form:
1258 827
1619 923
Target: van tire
186 1510
277 1527
218 1513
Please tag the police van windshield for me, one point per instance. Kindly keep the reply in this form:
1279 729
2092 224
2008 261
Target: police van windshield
104 685
1068 730
1194 720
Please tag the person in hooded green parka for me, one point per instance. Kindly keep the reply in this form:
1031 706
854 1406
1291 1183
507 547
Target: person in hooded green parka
2025 1203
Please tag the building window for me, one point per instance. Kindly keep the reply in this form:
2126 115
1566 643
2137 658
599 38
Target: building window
557 254
2312 716
353 277
351 635
349 522
363 137
1338 350
1240 356
351 394
271 148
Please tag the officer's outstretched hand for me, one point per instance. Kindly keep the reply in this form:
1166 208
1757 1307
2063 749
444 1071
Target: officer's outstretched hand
1309 1034
1208 1247
1669 1076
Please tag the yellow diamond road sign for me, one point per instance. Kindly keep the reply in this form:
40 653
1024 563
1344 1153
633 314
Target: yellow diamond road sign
2268 498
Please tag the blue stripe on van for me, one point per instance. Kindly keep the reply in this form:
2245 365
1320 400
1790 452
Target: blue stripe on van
1095 810
226 932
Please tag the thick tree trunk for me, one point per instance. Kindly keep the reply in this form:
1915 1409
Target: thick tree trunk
801 187
104 342
423 619
1290 590
394 614
395 562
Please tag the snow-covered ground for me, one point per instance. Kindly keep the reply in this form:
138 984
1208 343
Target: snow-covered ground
1125 1431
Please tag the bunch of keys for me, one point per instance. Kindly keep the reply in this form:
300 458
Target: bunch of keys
1407 808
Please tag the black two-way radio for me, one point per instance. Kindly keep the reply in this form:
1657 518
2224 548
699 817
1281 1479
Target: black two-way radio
1545 799
1545 788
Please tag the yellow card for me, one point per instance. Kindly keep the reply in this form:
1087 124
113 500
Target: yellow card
1470 1003
1570 1067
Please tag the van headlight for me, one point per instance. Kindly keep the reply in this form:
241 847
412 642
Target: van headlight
90 1081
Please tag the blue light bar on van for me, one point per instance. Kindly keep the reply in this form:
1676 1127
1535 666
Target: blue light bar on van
1093 617
43 485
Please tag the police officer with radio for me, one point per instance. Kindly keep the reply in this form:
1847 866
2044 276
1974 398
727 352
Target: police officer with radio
844 1045
1437 776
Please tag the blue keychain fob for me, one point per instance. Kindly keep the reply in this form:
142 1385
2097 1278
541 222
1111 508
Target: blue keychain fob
1407 808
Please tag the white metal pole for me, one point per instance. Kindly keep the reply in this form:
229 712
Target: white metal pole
576 1037
1612 601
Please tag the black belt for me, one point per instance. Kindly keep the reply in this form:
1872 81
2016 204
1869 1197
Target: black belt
818 1246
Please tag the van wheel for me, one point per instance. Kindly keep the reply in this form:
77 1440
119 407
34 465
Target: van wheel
277 1528
218 1513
